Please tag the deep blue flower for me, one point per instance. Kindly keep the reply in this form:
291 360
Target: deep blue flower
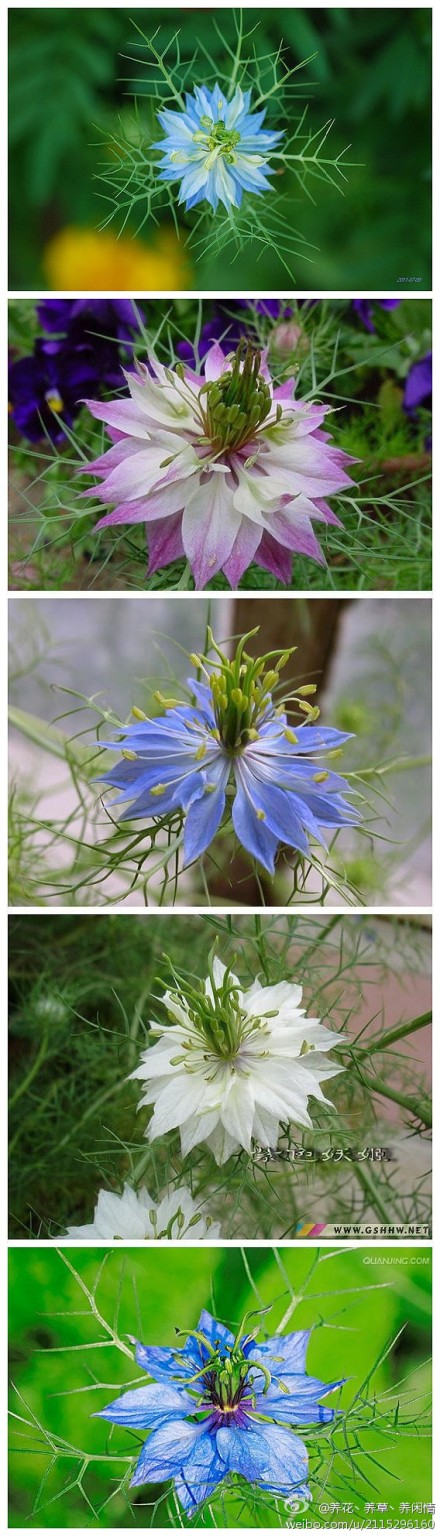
104 317
222 1404
365 309
216 148
46 388
418 384
234 735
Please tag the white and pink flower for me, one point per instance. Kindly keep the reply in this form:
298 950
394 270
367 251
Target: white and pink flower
222 467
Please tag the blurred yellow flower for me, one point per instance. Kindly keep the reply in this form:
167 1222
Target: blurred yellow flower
95 259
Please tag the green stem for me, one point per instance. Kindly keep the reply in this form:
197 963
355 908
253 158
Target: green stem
237 60
398 765
397 1034
102 1099
368 1185
419 1110
33 1070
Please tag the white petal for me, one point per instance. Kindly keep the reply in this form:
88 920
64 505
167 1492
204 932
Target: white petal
237 1111
222 1144
198 1128
269 998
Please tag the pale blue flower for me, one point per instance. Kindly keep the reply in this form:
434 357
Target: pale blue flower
216 148
283 790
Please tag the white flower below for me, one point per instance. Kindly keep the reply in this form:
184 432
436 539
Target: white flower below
135 1215
234 1066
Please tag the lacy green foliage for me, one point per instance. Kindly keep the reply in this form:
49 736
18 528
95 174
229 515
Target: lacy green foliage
82 994
70 1316
385 540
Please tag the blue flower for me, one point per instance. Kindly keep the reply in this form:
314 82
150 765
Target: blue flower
365 310
222 1404
46 389
116 318
418 384
233 732
216 148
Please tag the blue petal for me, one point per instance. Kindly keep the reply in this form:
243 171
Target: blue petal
282 811
165 1452
206 811
300 1404
161 1362
286 1352
202 1472
214 1331
271 1456
253 832
144 1406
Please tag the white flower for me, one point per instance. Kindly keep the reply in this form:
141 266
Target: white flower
233 1066
135 1215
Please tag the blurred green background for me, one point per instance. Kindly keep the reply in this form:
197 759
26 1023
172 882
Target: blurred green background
68 91
355 1304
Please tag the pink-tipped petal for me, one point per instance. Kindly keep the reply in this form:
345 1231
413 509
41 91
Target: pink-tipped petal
164 543
215 362
210 526
243 551
275 558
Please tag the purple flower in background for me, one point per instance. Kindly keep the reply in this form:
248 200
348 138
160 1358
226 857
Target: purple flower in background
103 317
45 390
418 385
222 1403
221 466
364 308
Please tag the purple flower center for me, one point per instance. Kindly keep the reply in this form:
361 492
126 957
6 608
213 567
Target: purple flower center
228 1394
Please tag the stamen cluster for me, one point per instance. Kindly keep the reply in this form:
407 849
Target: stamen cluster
238 402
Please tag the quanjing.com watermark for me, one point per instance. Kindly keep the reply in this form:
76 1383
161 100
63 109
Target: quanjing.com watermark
395 1258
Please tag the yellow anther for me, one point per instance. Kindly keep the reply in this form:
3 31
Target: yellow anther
54 401
138 713
130 756
335 752
201 751
305 689
158 790
195 660
261 815
320 778
290 736
166 703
